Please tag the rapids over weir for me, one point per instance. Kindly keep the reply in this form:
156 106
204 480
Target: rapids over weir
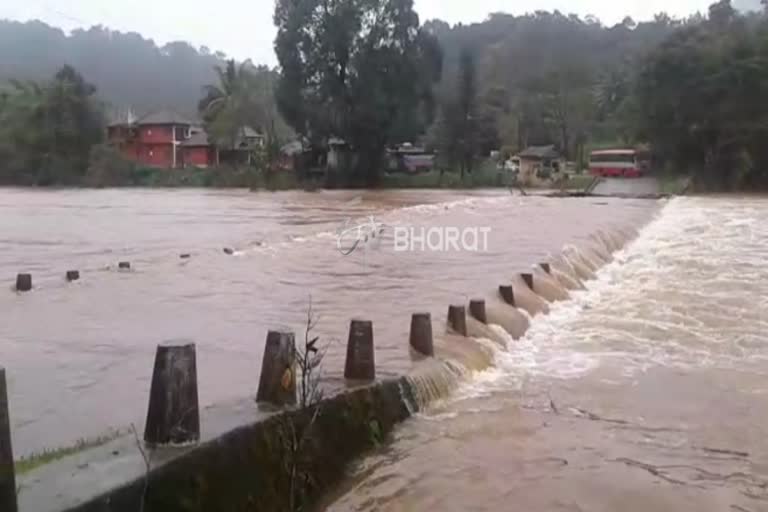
509 314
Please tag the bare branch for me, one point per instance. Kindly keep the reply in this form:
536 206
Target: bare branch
309 357
147 467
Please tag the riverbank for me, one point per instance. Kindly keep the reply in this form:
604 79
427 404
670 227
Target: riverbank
129 175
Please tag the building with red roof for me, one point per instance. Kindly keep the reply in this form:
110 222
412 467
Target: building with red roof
167 139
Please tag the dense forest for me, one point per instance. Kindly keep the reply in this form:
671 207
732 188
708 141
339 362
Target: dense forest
127 69
691 87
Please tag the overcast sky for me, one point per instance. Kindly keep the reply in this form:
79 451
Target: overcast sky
243 28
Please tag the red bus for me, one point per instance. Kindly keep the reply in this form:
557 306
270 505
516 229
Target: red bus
629 163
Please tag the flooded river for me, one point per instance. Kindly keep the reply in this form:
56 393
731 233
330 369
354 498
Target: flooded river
646 391
79 356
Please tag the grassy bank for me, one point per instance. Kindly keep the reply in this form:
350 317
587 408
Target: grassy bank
49 455
487 175
197 177
119 173
436 179
245 177
673 184
224 177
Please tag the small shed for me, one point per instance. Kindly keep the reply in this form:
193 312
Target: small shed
539 164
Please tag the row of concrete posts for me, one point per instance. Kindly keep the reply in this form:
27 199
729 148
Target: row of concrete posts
173 415
24 280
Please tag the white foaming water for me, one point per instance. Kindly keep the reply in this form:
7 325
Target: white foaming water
676 296
503 334
484 383
401 216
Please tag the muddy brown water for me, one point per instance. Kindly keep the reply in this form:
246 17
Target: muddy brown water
646 391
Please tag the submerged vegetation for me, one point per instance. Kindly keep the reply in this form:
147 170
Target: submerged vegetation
49 455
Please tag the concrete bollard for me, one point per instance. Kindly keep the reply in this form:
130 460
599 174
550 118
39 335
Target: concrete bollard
7 469
73 275
457 319
528 278
477 310
23 282
124 265
546 267
277 382
421 334
173 415
361 360
508 294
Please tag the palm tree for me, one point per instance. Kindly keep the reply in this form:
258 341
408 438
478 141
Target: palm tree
216 96
224 106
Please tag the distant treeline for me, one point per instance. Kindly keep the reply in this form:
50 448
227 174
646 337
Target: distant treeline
127 69
691 88
699 98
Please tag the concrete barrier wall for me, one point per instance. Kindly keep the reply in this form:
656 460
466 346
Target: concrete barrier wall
244 469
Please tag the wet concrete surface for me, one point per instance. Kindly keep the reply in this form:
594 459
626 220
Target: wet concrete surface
628 187
80 478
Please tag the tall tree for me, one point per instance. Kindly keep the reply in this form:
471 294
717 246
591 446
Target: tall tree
230 105
243 97
348 67
467 110
565 100
467 125
47 130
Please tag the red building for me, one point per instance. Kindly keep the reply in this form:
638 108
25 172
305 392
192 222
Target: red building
167 139
162 139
